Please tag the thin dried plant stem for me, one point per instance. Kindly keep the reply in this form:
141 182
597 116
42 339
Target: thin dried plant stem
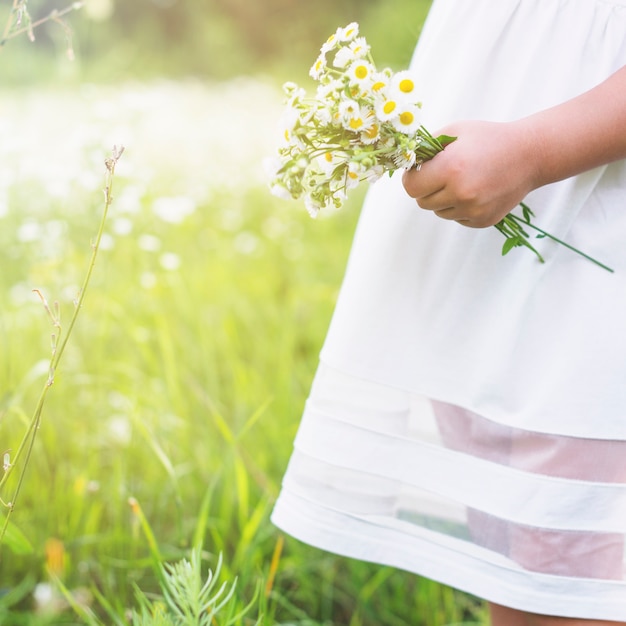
59 343
9 24
54 15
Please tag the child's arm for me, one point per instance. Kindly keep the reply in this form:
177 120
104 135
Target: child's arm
491 167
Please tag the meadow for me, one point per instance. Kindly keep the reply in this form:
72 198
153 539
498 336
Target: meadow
169 422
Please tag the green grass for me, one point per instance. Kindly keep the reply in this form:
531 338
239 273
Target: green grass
172 415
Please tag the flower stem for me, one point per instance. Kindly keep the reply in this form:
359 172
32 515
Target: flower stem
543 233
512 226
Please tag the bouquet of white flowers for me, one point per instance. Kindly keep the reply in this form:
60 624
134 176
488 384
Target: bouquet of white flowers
362 123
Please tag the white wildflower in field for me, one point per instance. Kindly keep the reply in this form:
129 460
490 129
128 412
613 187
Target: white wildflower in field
120 429
44 596
107 242
246 243
122 226
148 280
149 243
29 231
170 261
173 209
54 141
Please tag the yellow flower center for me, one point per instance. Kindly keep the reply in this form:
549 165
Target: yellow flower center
389 107
361 72
328 156
353 175
356 123
378 86
406 85
372 132
406 118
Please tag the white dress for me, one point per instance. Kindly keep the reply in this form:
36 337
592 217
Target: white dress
468 418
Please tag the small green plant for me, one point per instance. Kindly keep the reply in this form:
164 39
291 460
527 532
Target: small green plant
185 596
188 599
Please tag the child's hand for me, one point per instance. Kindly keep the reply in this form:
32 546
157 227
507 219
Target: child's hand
478 178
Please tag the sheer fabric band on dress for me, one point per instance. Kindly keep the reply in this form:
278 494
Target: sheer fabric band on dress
382 475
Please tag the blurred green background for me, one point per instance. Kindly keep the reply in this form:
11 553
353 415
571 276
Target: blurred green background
216 39
172 414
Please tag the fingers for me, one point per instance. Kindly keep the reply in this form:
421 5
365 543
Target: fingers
431 194
424 187
420 182
427 186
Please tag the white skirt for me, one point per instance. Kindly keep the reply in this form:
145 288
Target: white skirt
468 419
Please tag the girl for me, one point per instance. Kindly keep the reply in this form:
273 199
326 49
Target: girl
468 418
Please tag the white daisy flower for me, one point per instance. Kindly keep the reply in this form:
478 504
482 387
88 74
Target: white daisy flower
356 117
356 50
349 32
325 115
407 120
287 125
331 90
329 161
404 87
405 158
331 42
371 134
343 57
387 108
374 173
359 47
295 97
355 173
360 73
289 87
312 206
317 69
348 108
277 184
362 122
380 83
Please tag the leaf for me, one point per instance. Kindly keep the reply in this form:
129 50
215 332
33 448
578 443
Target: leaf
16 541
526 212
445 140
509 244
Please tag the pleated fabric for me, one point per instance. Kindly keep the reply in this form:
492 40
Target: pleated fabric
468 418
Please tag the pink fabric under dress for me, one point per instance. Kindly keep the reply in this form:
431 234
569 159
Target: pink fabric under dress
468 418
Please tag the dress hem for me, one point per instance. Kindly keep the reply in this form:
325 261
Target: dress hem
355 537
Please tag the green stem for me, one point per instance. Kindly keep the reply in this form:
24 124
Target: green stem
512 225
519 220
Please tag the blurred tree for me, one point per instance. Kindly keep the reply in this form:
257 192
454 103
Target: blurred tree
271 24
120 39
